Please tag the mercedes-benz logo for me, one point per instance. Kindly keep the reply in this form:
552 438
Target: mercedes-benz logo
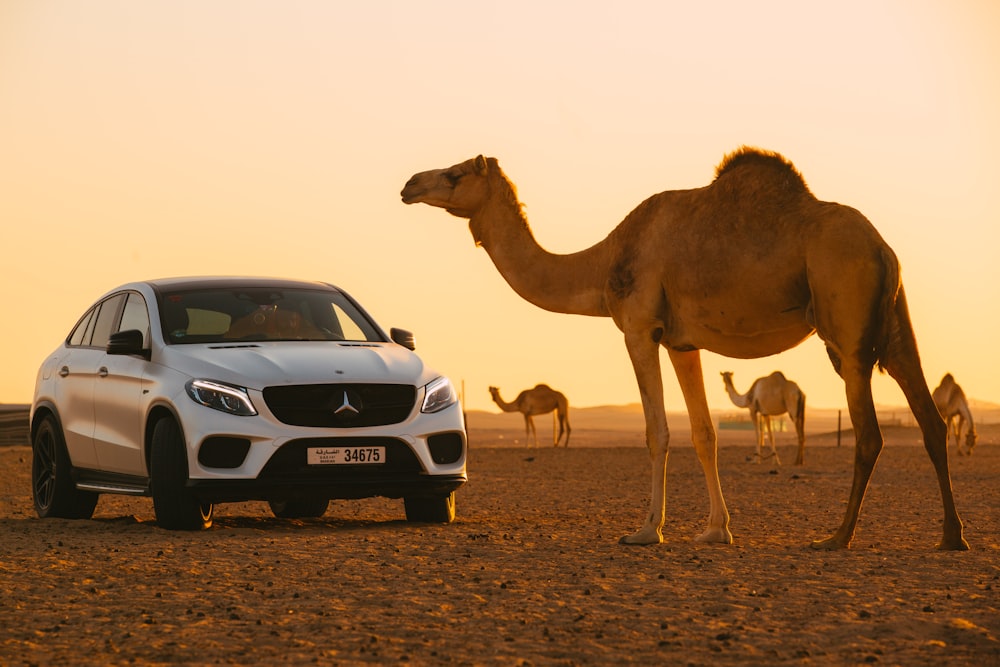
351 404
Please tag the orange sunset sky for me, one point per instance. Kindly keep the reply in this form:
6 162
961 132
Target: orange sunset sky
160 138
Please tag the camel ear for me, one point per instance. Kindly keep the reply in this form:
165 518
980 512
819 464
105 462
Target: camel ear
481 165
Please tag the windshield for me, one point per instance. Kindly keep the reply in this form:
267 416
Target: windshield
262 314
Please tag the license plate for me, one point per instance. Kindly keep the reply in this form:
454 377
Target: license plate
323 456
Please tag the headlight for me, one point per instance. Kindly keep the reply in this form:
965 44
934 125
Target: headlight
222 397
438 395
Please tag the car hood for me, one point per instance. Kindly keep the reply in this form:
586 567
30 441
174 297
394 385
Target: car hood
259 365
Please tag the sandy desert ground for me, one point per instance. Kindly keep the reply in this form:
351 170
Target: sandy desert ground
531 573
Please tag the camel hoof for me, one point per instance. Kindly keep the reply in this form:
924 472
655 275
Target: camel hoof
716 536
829 544
953 545
638 539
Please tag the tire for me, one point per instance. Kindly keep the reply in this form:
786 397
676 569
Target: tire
176 507
52 488
440 509
305 508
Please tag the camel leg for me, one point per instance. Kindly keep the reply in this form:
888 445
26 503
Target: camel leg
867 447
902 361
556 438
758 428
911 380
770 437
961 442
529 430
687 366
800 431
644 352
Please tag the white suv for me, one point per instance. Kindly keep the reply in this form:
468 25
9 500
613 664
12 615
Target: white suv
198 391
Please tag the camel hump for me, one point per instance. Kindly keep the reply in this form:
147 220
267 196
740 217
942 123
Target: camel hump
543 386
764 165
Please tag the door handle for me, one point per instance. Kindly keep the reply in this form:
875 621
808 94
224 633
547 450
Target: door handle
64 371
103 371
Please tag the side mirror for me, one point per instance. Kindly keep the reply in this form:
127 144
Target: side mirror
402 337
127 343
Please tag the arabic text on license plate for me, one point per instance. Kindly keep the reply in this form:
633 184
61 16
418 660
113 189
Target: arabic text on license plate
344 455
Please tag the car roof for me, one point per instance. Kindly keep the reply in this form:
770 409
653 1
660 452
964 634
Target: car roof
225 282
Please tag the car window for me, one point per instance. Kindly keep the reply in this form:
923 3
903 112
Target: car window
135 316
348 328
78 335
258 314
203 322
89 333
107 317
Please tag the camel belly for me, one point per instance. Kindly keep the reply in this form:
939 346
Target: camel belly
744 333
756 307
761 344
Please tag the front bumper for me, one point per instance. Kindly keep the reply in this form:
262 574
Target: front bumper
288 475
221 491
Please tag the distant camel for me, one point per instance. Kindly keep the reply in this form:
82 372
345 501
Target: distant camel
540 400
950 401
747 266
769 397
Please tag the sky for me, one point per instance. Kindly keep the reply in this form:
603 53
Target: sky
164 138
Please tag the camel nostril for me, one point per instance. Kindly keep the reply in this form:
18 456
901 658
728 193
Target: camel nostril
409 190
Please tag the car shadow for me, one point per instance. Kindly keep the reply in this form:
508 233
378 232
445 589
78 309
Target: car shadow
131 522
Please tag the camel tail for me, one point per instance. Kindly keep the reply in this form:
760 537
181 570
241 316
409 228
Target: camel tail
800 412
893 316
563 415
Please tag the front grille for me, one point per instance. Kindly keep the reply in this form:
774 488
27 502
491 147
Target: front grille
290 461
341 405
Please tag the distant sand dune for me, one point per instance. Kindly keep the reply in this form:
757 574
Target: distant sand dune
614 425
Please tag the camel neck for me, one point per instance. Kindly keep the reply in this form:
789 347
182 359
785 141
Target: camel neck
738 399
572 283
503 405
967 414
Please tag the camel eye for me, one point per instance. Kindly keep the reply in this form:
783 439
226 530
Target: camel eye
452 178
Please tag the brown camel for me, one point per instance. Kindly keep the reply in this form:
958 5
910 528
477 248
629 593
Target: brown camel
769 397
539 400
950 401
747 266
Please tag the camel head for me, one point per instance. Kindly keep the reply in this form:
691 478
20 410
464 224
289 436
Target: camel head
495 392
970 440
460 189
727 377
